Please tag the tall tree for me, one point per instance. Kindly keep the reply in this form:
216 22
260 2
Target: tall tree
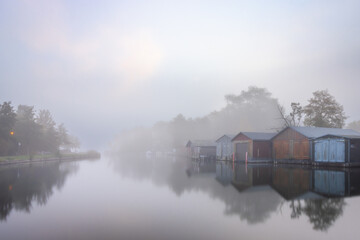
8 142
27 131
324 111
355 125
254 109
74 142
295 116
45 119
49 141
63 135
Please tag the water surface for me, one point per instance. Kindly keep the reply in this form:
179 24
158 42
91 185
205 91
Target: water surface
173 198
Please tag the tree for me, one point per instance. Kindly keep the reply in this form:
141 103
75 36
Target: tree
355 125
49 141
8 142
45 119
324 111
254 109
295 116
74 142
27 131
63 135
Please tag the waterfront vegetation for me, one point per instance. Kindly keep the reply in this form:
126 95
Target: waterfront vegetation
49 156
253 110
26 133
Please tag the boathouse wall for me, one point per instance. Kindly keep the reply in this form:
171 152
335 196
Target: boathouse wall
291 145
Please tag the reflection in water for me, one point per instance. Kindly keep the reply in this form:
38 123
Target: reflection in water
20 186
322 213
308 190
173 198
254 192
256 200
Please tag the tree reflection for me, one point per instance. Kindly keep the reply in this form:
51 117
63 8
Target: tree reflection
322 213
21 186
253 193
253 205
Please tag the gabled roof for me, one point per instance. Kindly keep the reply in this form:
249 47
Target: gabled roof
203 143
316 132
257 135
231 136
342 136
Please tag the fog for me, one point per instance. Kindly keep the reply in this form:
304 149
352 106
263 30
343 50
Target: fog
252 110
108 69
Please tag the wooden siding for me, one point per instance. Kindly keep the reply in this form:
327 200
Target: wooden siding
240 150
256 149
289 134
291 145
224 148
241 145
330 150
261 149
241 137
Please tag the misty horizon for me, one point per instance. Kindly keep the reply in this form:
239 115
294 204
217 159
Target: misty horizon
102 69
179 119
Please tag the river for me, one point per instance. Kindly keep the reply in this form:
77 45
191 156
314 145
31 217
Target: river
174 198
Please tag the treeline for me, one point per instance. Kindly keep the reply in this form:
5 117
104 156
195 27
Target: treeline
27 132
254 109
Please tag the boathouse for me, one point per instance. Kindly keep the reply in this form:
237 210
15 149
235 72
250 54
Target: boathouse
201 149
337 150
295 144
253 146
224 147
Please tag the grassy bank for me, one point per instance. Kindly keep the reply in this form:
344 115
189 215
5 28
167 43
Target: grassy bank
38 157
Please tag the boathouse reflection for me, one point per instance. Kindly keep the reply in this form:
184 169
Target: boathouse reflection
253 192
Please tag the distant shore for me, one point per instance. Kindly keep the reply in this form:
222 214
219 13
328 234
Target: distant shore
6 160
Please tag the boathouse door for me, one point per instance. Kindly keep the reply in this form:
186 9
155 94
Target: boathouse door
330 150
241 149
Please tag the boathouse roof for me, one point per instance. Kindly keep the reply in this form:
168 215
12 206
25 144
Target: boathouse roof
257 135
316 132
231 136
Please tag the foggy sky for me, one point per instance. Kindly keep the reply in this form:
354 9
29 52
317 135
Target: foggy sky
101 67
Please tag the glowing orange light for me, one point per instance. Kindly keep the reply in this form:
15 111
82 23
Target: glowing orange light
12 133
10 187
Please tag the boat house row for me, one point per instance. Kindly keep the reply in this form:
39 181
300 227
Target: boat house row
252 146
317 145
299 145
201 149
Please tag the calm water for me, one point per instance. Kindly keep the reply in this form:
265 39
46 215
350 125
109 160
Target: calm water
172 198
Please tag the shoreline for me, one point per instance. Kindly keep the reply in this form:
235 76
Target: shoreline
80 156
